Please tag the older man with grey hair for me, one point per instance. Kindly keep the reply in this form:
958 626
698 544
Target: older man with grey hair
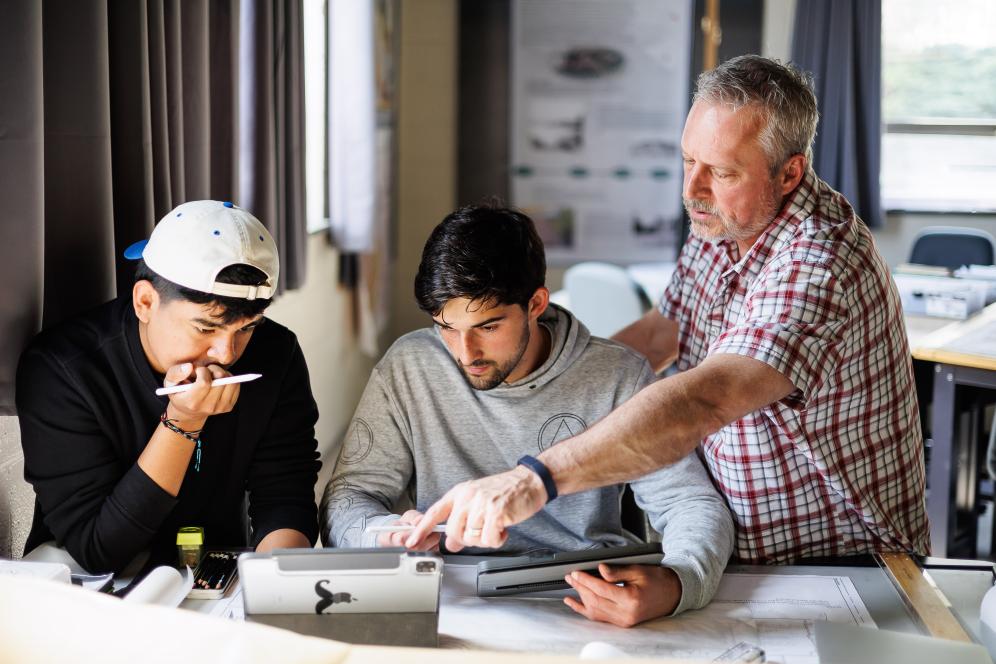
794 373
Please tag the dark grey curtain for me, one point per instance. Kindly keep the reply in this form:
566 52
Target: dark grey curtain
840 41
111 113
22 189
174 75
272 133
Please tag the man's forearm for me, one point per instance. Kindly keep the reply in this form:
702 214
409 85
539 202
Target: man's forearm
664 422
658 426
167 455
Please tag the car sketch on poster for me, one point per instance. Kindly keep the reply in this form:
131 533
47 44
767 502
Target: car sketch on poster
599 95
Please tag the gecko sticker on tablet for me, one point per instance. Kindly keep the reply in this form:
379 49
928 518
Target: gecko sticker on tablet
317 581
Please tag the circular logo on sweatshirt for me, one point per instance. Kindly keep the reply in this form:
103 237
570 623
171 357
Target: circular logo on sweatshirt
560 427
358 443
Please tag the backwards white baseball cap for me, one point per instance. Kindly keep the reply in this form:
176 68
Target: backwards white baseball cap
197 240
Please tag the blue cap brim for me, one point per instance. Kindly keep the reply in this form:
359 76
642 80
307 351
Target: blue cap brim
134 252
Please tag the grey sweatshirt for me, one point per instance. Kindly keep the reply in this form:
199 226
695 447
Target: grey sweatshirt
420 428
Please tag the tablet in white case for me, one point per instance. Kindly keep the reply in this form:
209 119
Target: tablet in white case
322 581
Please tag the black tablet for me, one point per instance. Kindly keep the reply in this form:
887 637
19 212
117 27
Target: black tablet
530 574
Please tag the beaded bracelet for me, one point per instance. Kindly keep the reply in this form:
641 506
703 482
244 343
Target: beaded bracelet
192 436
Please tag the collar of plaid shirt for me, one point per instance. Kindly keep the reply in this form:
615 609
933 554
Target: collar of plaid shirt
798 206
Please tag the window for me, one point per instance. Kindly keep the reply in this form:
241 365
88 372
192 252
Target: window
939 105
316 174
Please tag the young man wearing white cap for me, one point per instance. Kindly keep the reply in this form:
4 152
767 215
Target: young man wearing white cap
118 469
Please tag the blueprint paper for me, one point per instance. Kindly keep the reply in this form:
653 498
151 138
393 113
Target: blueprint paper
777 613
774 612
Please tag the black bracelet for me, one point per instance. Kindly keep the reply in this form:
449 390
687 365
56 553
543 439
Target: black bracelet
192 436
538 467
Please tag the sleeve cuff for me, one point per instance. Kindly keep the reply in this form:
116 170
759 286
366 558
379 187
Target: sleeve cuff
691 582
779 360
369 539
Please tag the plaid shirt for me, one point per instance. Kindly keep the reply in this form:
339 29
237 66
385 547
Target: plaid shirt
836 467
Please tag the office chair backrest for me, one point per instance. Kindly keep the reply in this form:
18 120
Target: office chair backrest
604 297
952 247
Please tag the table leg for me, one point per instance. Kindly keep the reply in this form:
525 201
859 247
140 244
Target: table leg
940 500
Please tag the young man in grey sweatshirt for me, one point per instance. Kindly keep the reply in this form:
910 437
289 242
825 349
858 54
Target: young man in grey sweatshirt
503 375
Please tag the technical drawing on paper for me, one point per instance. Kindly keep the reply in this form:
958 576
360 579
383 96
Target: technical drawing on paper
775 612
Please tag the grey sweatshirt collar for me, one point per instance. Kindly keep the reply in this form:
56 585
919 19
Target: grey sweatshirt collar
568 340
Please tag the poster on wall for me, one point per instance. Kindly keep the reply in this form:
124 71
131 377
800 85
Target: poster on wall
599 95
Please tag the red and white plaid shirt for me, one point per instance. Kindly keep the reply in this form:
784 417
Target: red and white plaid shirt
835 468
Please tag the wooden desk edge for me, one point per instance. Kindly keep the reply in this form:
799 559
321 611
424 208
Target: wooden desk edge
941 356
924 601
934 347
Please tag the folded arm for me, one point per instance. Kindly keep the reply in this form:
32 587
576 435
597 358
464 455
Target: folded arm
104 514
653 336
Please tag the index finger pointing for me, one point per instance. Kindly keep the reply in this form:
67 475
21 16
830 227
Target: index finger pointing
435 515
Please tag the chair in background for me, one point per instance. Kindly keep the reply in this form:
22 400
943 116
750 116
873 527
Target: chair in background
952 247
604 297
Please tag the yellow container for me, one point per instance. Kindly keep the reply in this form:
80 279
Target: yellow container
189 544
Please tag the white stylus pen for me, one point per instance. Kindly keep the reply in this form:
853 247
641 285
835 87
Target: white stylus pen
227 380
400 528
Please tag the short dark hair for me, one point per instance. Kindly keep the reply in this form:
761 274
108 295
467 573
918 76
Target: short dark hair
485 253
230 309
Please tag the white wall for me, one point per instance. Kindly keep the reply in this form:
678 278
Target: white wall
427 135
321 314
